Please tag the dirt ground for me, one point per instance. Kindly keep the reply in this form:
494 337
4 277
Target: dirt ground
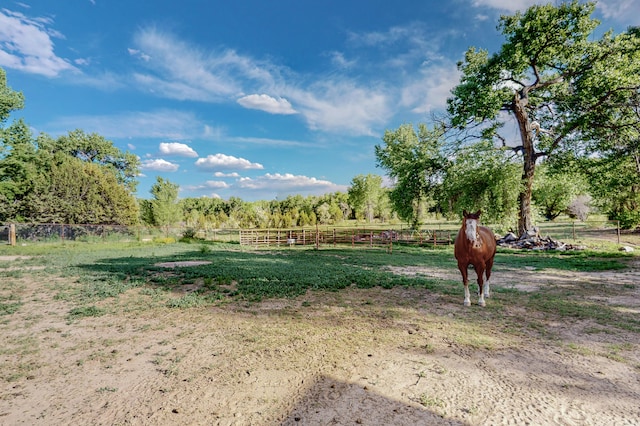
367 357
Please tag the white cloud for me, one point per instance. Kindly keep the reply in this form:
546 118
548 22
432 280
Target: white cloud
178 70
225 162
210 184
175 148
287 182
215 184
339 60
226 175
431 90
621 10
26 45
159 165
138 54
507 5
343 106
267 103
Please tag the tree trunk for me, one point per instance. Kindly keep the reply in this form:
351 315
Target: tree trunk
525 217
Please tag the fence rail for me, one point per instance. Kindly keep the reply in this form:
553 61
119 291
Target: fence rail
437 233
341 236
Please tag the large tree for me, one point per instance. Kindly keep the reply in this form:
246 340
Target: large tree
555 79
94 148
415 161
80 192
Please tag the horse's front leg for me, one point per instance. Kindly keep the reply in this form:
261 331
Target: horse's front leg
464 271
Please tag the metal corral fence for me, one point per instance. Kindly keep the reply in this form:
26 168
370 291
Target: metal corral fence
436 233
341 236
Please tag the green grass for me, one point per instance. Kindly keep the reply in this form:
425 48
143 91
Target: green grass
85 311
107 271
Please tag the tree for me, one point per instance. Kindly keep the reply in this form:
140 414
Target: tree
554 79
77 192
615 184
554 192
482 177
164 205
19 167
364 194
414 160
93 148
10 100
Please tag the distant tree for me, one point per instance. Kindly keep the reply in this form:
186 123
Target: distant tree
415 161
10 100
146 211
165 208
554 192
364 194
555 79
615 186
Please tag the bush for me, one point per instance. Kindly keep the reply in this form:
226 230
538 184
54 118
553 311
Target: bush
628 219
580 207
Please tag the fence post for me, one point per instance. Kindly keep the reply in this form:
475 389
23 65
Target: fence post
618 230
12 234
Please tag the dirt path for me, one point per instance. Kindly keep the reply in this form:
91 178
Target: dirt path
372 357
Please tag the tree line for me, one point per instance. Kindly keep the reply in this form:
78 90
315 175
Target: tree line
574 99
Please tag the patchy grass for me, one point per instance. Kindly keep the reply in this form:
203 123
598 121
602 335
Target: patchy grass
109 270
85 311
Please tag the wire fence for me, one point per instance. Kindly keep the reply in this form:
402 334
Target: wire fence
434 234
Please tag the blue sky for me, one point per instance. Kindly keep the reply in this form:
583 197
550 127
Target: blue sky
254 99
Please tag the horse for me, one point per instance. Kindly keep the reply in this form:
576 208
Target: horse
475 245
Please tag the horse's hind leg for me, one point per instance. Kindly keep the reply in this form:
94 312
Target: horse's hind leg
481 290
487 291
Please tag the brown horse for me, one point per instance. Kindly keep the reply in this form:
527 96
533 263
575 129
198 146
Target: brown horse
475 245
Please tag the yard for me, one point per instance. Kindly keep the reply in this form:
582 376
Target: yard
219 334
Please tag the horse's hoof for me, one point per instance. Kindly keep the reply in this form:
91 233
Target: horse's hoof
482 303
467 303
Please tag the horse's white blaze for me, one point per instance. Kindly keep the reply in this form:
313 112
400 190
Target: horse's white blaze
471 230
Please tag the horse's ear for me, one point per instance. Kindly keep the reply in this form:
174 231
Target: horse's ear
464 213
478 213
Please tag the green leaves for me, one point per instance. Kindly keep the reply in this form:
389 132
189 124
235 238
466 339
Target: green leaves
365 195
164 206
415 160
564 88
483 177
10 100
